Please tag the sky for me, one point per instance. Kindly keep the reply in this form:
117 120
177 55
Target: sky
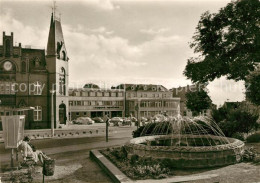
124 41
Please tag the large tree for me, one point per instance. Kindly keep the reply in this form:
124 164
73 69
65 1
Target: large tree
227 42
253 88
198 100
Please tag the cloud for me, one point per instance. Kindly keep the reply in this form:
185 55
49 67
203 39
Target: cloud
154 31
25 34
107 5
100 30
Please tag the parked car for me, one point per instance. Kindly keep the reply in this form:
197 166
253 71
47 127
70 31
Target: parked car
83 121
127 121
98 120
116 121
133 119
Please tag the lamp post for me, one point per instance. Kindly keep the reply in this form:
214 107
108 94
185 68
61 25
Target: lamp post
70 104
52 113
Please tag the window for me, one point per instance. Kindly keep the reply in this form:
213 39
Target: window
106 94
92 94
120 94
37 114
7 48
37 88
113 94
99 94
85 113
37 62
62 82
63 56
77 113
100 103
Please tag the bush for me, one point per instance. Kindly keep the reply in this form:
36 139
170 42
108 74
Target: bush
238 136
134 159
250 154
253 138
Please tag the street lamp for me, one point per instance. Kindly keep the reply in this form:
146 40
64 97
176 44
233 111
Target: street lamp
52 112
70 104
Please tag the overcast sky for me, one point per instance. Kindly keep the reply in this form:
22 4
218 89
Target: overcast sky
112 42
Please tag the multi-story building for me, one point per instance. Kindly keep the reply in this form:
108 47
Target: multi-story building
27 75
91 101
147 100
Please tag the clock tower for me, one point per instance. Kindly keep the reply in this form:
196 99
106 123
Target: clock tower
57 66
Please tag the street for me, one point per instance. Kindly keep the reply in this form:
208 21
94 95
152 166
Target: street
72 156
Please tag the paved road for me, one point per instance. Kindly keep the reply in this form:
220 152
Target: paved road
72 156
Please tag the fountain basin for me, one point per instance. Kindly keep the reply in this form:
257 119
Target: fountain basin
187 155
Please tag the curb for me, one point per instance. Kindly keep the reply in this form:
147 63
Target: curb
119 177
113 172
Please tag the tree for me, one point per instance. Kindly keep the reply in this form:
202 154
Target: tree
198 100
228 43
253 88
233 121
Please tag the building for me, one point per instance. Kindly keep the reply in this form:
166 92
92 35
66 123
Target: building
181 93
124 100
147 100
27 75
91 101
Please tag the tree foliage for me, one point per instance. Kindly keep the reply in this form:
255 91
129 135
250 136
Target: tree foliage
232 121
253 88
198 100
228 43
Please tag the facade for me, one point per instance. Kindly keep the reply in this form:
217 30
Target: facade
144 100
122 101
27 75
95 102
181 93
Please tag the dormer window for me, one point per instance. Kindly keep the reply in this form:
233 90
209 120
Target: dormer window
37 62
132 88
145 87
154 88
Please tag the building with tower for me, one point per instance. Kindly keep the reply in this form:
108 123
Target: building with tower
27 75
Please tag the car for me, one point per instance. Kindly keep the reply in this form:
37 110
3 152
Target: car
83 121
127 121
116 121
133 119
98 120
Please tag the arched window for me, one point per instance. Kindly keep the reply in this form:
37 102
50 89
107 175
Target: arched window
23 66
37 62
63 57
62 82
7 48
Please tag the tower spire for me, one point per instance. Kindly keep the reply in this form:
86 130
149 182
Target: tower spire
54 8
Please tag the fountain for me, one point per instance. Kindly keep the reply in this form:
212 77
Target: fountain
187 143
